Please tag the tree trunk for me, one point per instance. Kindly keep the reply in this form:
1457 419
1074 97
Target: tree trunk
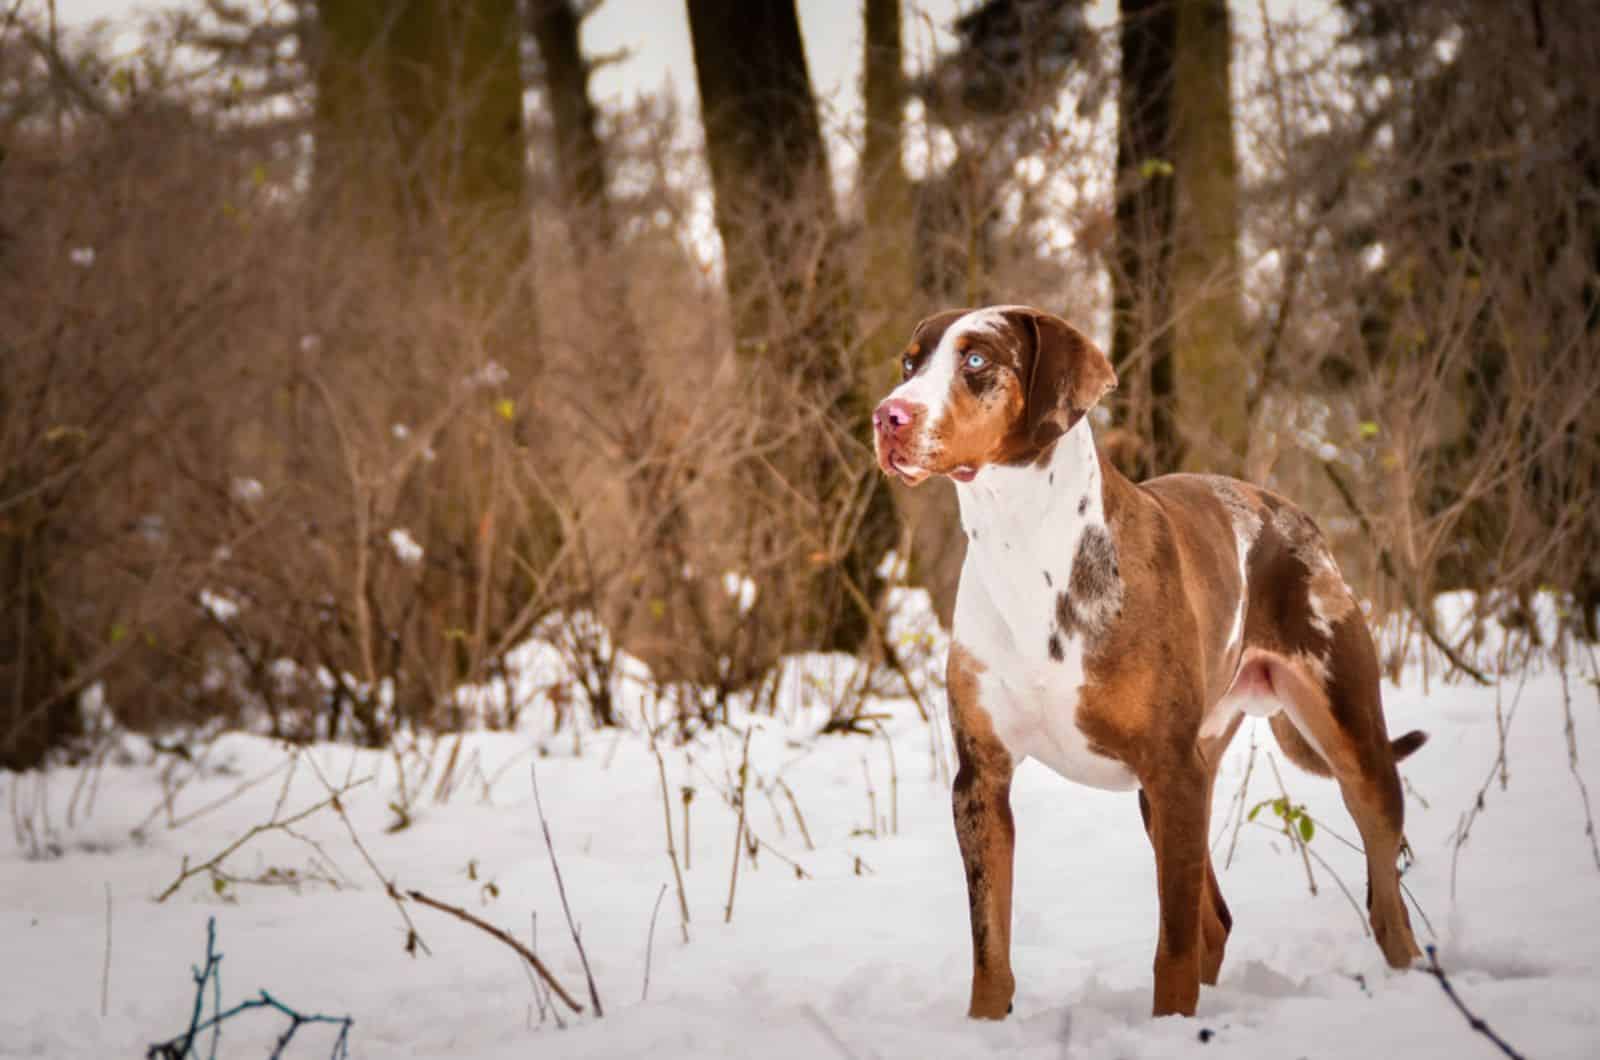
1211 362
929 515
1142 289
791 307
419 121
580 157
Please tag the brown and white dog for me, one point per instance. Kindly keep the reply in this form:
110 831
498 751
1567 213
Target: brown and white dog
1118 633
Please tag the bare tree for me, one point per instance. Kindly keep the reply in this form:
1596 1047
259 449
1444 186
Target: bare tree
1143 304
1212 363
792 307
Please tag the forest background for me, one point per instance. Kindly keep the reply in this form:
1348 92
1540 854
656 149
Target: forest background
349 344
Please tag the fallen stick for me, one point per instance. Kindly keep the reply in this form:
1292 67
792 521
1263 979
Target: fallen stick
510 940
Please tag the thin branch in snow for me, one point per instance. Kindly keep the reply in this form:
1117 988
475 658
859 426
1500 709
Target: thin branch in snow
213 864
794 804
894 781
1571 734
1244 795
503 936
1475 1022
738 834
1464 825
1294 835
688 848
184 1047
105 967
738 831
1361 917
650 943
872 800
561 889
800 872
672 851
413 936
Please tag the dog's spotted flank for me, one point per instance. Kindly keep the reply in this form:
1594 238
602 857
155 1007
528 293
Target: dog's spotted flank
1189 601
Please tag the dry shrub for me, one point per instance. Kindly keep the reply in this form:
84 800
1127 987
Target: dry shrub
258 464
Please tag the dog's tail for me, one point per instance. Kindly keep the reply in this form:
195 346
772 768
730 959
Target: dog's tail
1403 746
1299 750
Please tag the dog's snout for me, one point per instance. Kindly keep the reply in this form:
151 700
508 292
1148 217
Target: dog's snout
893 415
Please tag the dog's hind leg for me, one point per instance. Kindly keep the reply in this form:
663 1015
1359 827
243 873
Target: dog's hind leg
1216 922
1174 804
1335 704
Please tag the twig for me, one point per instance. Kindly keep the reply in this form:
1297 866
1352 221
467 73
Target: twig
187 872
799 817
1572 763
672 853
219 802
650 943
1424 616
1294 836
800 872
510 940
182 1047
1475 1022
688 847
872 799
1244 800
561 889
1464 824
772 804
738 835
1360 915
889 654
105 967
541 991
413 937
1405 851
894 781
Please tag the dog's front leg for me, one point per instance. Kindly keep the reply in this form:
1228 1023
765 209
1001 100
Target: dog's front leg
982 802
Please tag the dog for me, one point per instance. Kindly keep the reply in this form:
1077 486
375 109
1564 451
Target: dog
1119 633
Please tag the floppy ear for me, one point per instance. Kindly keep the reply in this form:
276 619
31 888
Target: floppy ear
1068 375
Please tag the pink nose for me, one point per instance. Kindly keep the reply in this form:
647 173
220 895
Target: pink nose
893 415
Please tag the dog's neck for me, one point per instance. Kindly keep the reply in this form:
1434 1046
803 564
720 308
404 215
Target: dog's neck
1031 517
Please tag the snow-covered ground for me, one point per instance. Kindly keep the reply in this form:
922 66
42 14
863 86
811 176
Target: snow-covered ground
867 955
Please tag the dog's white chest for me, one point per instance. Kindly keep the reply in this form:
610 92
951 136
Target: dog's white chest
1034 708
1025 528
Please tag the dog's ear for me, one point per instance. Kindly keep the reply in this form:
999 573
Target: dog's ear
1067 375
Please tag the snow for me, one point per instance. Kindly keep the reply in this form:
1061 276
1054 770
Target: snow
405 546
866 957
219 606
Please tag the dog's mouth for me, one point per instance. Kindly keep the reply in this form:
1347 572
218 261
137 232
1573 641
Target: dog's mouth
911 473
906 471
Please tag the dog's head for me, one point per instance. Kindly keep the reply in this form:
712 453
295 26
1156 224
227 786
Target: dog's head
986 386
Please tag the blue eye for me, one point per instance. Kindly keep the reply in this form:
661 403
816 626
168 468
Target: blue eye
908 366
975 361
